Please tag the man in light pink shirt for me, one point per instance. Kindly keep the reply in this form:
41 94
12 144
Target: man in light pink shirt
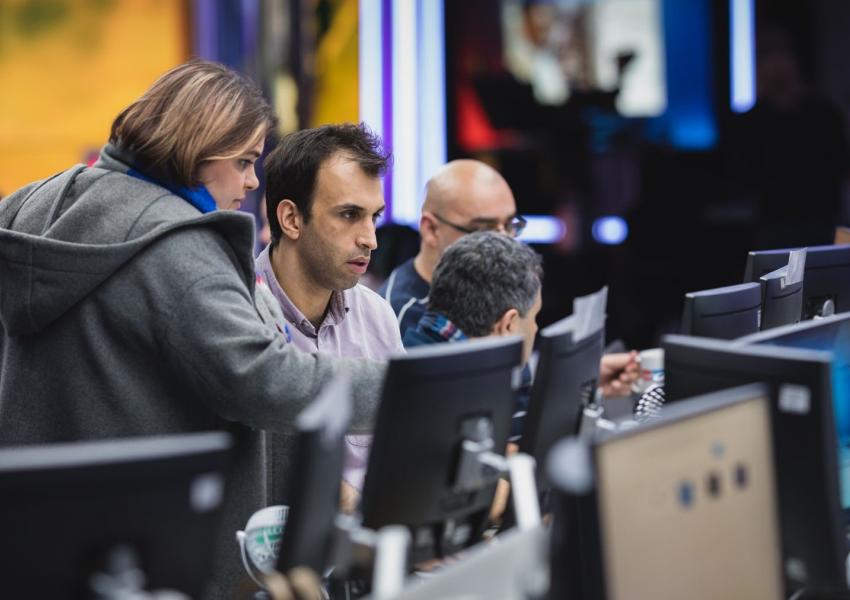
323 198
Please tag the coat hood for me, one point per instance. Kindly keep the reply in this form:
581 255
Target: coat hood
59 240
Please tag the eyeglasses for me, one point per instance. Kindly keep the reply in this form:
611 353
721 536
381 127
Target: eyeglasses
512 227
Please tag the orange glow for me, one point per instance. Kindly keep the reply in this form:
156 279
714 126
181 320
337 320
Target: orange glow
67 70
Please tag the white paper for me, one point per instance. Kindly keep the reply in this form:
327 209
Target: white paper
589 313
796 267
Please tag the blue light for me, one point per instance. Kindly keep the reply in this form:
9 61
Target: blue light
543 230
610 230
371 70
742 54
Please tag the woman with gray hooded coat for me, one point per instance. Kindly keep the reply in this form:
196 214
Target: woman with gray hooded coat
127 299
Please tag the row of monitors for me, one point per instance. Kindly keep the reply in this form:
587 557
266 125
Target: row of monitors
633 519
431 399
434 398
740 490
765 301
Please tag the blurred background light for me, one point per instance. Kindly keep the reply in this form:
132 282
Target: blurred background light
543 230
610 230
742 54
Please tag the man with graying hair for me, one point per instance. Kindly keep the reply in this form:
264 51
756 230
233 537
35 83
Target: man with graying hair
463 196
487 284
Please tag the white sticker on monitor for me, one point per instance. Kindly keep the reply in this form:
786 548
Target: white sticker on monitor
795 399
206 492
796 569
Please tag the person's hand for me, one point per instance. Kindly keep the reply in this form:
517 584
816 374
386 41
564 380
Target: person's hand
617 372
301 583
349 498
503 490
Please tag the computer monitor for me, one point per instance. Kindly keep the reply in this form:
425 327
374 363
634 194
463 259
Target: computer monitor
800 385
319 452
781 302
564 383
681 507
725 313
434 398
826 278
66 508
831 334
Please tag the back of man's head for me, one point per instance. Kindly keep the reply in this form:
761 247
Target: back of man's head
292 167
480 277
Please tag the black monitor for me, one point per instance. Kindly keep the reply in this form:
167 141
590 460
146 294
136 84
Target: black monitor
831 334
434 398
781 302
564 383
725 313
680 507
319 452
800 384
826 278
66 510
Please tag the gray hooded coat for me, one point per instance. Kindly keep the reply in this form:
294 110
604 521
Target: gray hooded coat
125 312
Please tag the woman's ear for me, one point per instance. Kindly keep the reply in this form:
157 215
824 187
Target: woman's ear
506 325
289 219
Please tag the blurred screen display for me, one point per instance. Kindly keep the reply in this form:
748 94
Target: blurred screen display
560 47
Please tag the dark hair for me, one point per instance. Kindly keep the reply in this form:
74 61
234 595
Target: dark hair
195 112
292 167
480 277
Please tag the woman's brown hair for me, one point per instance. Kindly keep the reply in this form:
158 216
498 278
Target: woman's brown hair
195 112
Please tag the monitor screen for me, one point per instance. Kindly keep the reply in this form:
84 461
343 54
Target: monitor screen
800 384
435 398
564 383
697 522
612 44
724 313
64 508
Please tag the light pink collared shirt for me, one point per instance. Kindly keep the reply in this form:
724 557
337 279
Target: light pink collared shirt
358 324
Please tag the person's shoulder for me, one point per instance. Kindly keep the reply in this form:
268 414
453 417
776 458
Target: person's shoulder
407 270
403 283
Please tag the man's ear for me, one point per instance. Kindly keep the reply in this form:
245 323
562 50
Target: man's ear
506 325
428 229
289 218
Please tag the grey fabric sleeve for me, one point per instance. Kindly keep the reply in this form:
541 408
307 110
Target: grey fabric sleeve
245 370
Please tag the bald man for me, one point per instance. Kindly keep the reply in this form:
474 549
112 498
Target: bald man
462 197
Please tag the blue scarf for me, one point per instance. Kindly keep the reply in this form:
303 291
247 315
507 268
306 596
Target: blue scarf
199 197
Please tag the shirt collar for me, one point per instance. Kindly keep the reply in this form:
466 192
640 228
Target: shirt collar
337 309
438 327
